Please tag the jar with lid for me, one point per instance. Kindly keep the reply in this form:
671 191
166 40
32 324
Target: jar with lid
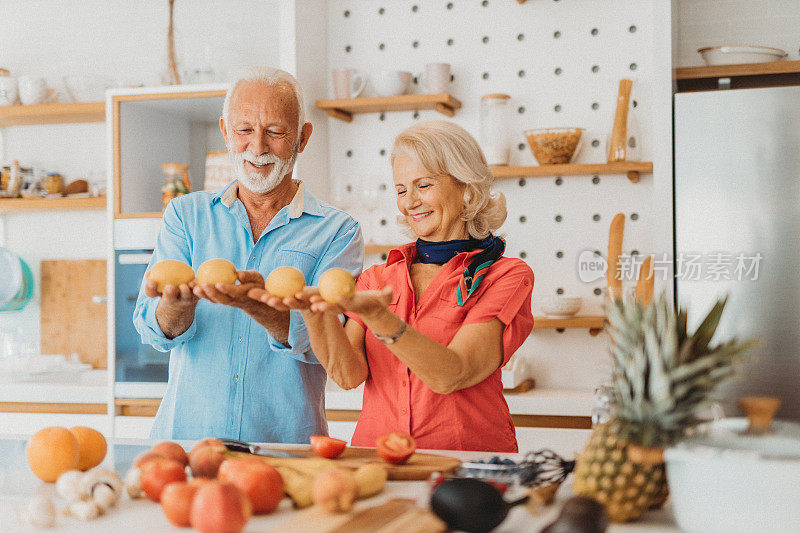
177 184
53 183
494 131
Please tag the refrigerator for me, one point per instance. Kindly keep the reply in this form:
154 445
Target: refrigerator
737 228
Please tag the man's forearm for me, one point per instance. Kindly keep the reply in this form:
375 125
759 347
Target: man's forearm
174 322
275 322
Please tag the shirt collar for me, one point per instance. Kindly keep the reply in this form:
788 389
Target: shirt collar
301 202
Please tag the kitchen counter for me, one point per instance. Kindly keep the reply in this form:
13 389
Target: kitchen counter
17 483
84 386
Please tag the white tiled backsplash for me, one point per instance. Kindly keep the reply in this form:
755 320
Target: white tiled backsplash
774 23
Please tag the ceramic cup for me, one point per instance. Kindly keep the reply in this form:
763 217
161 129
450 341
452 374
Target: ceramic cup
32 90
8 90
391 82
436 77
347 83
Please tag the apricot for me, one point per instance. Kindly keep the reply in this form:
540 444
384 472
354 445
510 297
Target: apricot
171 450
206 456
92 446
285 282
143 459
219 508
170 272
334 490
260 482
336 283
216 271
51 452
176 501
159 474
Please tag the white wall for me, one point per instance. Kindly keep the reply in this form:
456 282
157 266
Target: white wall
125 42
702 23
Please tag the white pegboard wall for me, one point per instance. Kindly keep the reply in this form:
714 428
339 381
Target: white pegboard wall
561 62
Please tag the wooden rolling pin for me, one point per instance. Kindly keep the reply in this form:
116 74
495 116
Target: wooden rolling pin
613 278
619 133
646 282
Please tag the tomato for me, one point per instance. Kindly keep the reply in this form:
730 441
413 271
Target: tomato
396 448
327 446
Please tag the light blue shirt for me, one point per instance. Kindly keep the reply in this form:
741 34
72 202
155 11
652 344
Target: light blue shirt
227 376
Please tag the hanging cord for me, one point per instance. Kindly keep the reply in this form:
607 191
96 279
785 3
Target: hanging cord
174 76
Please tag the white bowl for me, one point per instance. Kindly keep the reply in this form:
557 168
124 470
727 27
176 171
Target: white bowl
737 55
561 306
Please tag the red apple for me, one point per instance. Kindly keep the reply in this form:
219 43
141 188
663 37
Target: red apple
171 450
159 474
206 456
176 501
260 482
219 508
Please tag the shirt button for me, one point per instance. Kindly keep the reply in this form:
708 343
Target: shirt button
404 411
240 339
236 379
404 384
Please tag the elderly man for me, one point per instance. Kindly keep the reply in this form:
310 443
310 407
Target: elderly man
239 368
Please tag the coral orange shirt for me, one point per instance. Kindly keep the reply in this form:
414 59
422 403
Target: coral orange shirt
395 399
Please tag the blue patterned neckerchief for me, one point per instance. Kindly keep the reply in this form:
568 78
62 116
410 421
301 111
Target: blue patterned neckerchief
440 253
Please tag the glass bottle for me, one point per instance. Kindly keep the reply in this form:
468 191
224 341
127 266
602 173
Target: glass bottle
494 138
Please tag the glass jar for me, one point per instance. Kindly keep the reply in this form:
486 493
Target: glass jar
494 137
53 183
177 184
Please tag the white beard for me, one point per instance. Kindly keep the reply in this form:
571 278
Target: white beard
254 181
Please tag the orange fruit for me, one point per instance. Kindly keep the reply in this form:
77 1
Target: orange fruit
92 446
51 452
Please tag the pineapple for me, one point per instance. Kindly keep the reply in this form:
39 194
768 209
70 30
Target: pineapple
662 376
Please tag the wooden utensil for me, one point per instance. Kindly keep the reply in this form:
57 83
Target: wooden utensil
613 277
646 282
619 133
397 515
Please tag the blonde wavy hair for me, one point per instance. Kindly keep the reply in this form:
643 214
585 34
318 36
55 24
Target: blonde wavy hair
446 149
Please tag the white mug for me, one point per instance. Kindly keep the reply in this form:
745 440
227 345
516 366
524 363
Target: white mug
9 95
32 90
391 82
344 81
436 77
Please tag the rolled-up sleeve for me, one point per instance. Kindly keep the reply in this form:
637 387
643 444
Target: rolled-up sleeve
172 243
346 251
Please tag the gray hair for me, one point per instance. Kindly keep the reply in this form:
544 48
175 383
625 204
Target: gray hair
268 76
444 148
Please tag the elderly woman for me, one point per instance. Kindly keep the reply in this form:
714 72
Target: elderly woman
430 329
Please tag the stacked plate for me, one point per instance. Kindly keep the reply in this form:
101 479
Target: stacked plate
737 55
16 287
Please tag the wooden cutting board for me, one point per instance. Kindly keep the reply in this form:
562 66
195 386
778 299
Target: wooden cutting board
70 321
418 468
395 516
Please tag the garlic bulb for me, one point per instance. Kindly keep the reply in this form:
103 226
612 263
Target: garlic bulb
68 485
84 510
133 483
40 512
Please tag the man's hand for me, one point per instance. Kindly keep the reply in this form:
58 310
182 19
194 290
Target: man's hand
175 310
300 301
232 295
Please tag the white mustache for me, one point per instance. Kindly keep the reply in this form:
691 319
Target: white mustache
264 159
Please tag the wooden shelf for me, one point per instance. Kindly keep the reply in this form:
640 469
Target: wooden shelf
51 204
592 322
24 115
345 108
750 75
632 169
378 248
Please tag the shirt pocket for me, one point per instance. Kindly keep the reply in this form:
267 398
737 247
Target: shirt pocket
302 261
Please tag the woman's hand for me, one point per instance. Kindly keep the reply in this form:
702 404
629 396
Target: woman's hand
231 294
364 303
300 301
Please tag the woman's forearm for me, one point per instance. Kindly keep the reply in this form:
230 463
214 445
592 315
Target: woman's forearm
439 367
343 363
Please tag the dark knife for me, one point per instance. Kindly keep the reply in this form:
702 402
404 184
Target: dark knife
255 449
